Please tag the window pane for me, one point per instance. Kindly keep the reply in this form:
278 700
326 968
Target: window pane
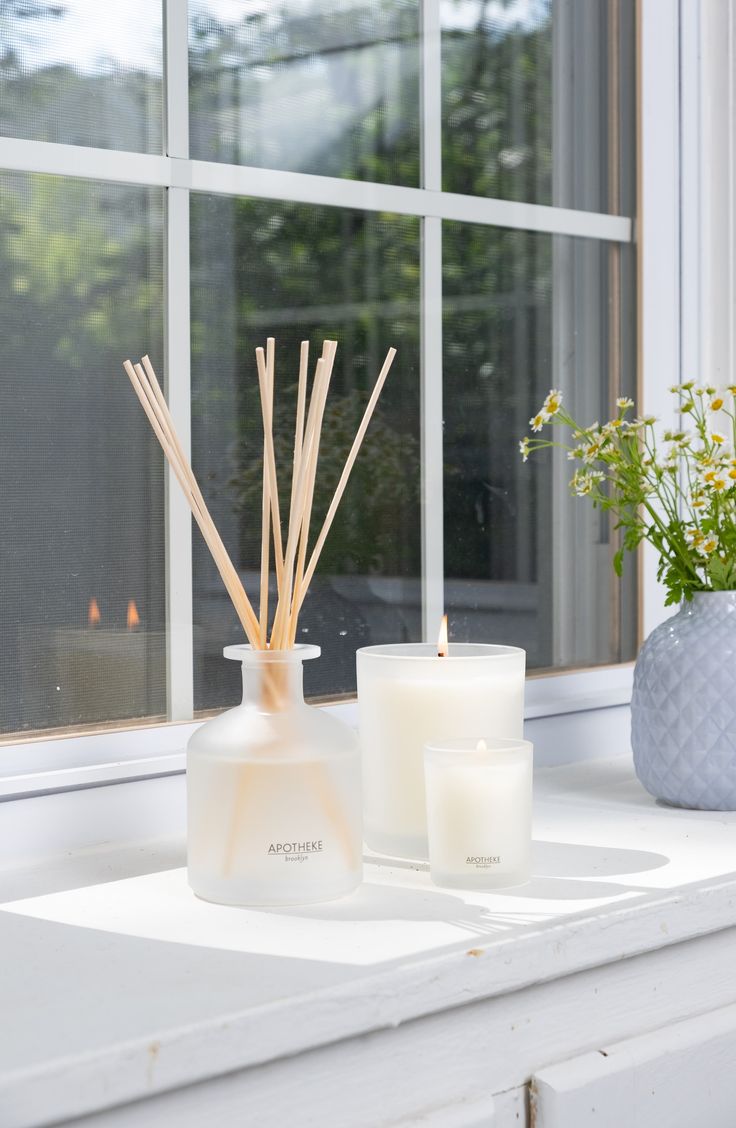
80 290
82 73
538 101
307 86
526 563
294 271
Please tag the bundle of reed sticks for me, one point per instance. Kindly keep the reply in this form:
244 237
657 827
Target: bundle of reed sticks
294 562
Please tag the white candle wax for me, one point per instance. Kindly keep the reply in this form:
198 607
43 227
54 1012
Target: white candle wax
408 697
479 812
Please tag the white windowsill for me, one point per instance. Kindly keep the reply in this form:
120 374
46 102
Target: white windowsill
200 990
32 768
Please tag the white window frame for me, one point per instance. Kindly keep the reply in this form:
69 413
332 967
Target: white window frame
64 762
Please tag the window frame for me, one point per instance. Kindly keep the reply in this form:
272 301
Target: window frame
32 766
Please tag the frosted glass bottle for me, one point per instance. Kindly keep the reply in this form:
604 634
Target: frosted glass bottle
274 794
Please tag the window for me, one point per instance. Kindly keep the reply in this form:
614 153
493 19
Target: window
453 177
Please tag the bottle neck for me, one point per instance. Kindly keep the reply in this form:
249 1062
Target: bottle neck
273 687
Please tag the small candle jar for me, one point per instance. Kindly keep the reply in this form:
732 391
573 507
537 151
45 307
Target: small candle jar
479 812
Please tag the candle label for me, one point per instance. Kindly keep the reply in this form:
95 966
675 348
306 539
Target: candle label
483 861
295 851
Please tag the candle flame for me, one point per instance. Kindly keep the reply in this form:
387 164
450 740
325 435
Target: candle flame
481 746
133 619
93 613
443 647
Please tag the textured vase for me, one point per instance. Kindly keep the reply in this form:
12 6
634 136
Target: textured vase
683 707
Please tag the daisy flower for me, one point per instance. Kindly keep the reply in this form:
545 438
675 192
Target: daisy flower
593 449
582 483
553 402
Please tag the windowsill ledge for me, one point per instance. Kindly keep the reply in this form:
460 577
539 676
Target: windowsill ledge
119 984
151 751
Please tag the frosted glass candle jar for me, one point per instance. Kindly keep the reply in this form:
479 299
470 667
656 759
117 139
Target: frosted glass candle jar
273 791
407 697
479 812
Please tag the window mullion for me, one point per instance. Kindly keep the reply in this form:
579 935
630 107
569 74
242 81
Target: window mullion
179 601
659 234
433 581
431 97
176 78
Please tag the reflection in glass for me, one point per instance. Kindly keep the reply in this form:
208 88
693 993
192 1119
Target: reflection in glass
525 563
538 101
307 86
296 272
82 597
81 72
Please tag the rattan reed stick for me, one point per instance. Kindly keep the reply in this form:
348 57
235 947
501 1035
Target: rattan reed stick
319 399
166 434
265 528
266 367
280 632
349 463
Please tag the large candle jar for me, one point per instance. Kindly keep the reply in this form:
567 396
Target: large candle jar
273 788
408 696
479 812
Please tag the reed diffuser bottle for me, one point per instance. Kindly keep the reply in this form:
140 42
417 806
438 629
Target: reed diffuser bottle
274 793
273 785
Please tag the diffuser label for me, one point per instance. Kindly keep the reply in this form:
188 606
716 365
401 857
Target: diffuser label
483 861
295 851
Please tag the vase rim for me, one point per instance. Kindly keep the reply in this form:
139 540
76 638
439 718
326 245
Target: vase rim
730 595
249 655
